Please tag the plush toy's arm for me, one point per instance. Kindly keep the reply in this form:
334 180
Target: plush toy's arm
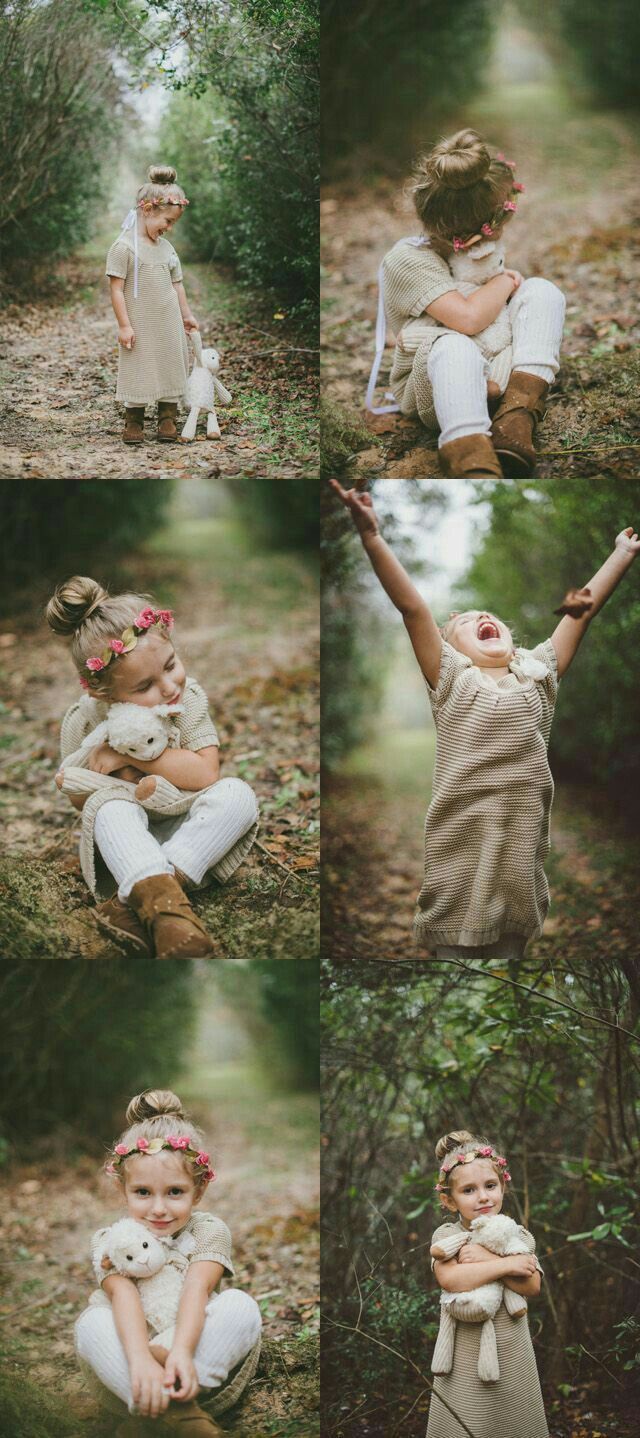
449 1245
78 760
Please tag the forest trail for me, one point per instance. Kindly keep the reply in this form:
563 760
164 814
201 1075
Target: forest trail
578 227
373 867
233 606
266 1190
58 361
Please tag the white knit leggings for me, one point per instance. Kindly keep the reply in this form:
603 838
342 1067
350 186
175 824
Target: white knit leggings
217 819
231 1328
458 370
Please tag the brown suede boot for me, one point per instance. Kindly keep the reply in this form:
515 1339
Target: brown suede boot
133 432
513 430
167 429
472 457
176 932
122 924
191 1420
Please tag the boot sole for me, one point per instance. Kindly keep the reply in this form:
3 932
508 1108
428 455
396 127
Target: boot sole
128 941
132 441
521 468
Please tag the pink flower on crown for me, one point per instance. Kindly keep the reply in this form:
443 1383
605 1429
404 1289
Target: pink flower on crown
507 1177
84 684
209 1175
486 1151
460 1158
116 646
179 1142
164 616
145 618
110 1169
142 1144
95 664
517 186
458 244
202 1158
486 229
121 1149
509 205
510 163
502 1162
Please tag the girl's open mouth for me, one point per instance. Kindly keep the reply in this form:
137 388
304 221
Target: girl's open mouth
487 630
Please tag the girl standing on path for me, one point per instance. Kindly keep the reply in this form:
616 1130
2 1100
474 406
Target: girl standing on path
485 892
163 1173
151 307
472 1182
123 652
464 195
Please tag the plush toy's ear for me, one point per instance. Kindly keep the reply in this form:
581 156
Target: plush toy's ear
106 1263
166 710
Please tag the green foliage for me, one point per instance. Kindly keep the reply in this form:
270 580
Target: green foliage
49 527
282 515
79 1039
279 1002
542 540
27 1411
342 434
60 113
595 42
388 69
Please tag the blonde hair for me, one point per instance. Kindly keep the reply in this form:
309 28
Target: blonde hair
161 185
81 609
461 1141
158 1113
459 185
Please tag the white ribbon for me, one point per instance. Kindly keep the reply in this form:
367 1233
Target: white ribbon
131 222
381 336
523 663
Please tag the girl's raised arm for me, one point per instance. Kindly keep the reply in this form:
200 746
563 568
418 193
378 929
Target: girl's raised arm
569 632
419 622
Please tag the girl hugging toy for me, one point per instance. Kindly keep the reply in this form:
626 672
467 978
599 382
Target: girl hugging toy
464 195
486 1267
140 760
157 1331
485 892
151 307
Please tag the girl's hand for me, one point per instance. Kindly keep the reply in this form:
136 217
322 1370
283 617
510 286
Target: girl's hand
180 1368
190 323
104 760
628 540
521 1265
148 1386
361 507
474 1253
516 277
126 336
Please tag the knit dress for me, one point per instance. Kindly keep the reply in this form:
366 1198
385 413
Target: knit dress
487 826
158 365
197 731
415 277
212 1244
510 1408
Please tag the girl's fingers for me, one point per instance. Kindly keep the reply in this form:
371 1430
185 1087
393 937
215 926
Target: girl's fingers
337 488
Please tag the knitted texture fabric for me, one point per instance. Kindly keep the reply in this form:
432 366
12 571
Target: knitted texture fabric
487 827
511 1407
197 731
457 373
158 365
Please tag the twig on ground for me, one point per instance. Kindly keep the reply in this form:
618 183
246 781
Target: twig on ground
403 1358
592 449
272 860
279 350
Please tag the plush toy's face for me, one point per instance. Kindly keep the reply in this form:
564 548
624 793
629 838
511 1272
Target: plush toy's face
493 1230
479 264
475 1189
140 732
134 1251
211 360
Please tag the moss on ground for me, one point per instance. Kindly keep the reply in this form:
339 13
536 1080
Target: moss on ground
343 434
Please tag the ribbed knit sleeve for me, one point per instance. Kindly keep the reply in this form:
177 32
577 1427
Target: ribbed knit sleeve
212 1239
414 277
197 729
452 663
118 260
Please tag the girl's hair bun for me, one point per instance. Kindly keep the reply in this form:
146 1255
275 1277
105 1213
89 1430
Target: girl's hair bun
451 1141
73 602
162 175
155 1103
461 161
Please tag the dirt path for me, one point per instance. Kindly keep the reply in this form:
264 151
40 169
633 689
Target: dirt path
58 362
578 227
234 611
266 1190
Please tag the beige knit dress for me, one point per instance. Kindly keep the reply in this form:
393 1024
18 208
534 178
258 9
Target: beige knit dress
414 278
158 365
197 731
510 1408
487 826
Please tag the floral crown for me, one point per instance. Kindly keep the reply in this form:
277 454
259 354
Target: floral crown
497 219
175 1143
453 1159
128 639
157 200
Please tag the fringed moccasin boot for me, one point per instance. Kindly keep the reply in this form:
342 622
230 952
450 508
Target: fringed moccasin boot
175 931
513 431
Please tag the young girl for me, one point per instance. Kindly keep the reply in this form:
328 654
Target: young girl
472 1182
151 307
163 1172
485 892
123 652
465 194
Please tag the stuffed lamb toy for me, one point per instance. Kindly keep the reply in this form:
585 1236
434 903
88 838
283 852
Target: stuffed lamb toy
157 1266
137 731
472 268
203 388
501 1235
